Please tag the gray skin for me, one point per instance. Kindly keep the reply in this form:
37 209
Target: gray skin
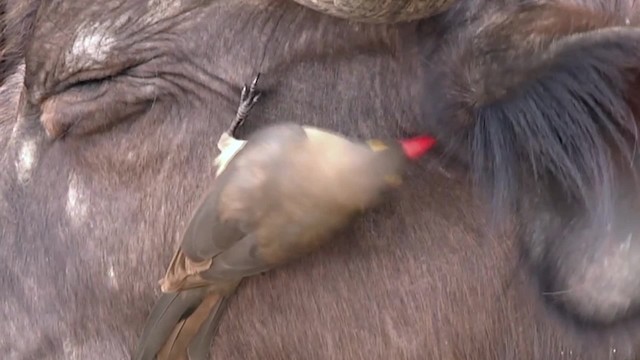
113 143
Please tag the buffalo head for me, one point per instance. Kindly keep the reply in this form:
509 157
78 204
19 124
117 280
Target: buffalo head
112 110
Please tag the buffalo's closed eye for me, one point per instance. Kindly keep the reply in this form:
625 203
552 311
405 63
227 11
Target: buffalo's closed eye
87 105
90 84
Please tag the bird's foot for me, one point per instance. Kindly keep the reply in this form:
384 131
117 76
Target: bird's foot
248 98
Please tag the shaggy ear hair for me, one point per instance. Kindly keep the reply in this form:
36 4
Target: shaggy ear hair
541 103
540 97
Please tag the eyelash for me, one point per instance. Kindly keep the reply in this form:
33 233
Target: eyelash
94 81
88 83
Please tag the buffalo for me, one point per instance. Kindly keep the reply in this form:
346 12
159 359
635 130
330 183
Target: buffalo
517 238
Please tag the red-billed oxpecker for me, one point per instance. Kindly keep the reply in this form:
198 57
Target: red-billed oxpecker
277 196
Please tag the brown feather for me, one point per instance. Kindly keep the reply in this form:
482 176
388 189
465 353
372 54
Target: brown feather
178 342
183 273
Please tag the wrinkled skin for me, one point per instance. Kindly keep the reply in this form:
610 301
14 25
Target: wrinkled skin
113 141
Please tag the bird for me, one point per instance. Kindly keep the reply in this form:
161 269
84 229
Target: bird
275 197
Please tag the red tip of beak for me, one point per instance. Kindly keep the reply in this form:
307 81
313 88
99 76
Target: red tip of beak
417 146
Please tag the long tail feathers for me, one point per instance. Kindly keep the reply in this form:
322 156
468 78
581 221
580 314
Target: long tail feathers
173 318
191 339
201 344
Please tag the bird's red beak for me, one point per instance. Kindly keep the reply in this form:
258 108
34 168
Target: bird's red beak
416 147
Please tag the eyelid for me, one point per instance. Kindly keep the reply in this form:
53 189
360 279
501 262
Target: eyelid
87 76
78 112
81 77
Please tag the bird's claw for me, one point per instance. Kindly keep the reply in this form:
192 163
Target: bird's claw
250 94
248 97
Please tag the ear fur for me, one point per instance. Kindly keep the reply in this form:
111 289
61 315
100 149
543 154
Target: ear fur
540 96
541 103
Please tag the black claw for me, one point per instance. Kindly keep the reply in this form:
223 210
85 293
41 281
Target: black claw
255 82
248 97
244 94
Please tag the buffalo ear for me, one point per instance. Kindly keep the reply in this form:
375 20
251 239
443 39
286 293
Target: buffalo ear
527 106
541 103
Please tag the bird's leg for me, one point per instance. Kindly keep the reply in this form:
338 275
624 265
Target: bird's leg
248 98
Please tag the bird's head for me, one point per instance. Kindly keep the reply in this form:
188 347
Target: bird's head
391 156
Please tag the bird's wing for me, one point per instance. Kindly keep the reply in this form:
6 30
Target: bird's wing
212 229
236 202
232 209
243 259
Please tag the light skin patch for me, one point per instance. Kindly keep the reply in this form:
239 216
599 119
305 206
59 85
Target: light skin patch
69 349
26 159
76 201
92 44
613 277
162 9
111 276
626 245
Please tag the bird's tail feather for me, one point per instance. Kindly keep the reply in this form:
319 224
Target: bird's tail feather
191 338
174 317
